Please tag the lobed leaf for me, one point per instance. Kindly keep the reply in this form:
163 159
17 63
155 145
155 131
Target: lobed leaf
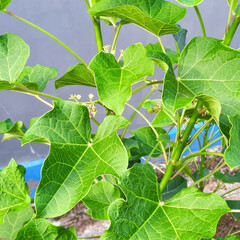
39 229
76 75
13 189
99 198
75 159
14 221
190 214
114 80
156 16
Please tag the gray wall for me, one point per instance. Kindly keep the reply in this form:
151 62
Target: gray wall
71 24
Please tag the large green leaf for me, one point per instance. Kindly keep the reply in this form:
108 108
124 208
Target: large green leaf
14 53
14 221
208 67
114 80
40 75
189 3
76 75
99 198
190 214
75 159
231 155
156 16
41 229
12 130
4 4
13 189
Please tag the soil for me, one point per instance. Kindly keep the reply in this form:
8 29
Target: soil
86 227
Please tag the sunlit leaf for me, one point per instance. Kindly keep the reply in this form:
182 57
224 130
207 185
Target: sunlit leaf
190 214
189 3
75 159
156 16
4 4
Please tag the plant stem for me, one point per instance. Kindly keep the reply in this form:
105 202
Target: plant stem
31 92
179 146
162 46
232 190
201 21
146 85
229 16
178 126
134 113
151 153
208 175
49 34
89 237
115 38
97 28
200 153
147 121
95 121
44 101
202 166
229 35
235 210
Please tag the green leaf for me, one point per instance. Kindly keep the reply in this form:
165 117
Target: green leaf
12 130
147 140
231 155
180 38
156 48
163 118
75 159
39 75
13 189
227 178
14 53
99 198
230 237
190 214
175 94
234 4
234 204
76 75
174 187
41 229
4 4
156 16
14 221
220 78
114 80
189 3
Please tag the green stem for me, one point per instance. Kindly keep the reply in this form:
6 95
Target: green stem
97 28
151 153
232 190
89 237
146 85
201 21
31 92
115 38
229 16
179 147
147 121
134 113
208 175
202 166
95 121
231 32
200 153
49 34
178 126
162 46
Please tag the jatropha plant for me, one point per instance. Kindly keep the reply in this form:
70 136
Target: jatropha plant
103 169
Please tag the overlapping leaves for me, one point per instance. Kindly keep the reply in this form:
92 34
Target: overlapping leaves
156 16
14 53
75 159
188 215
114 80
